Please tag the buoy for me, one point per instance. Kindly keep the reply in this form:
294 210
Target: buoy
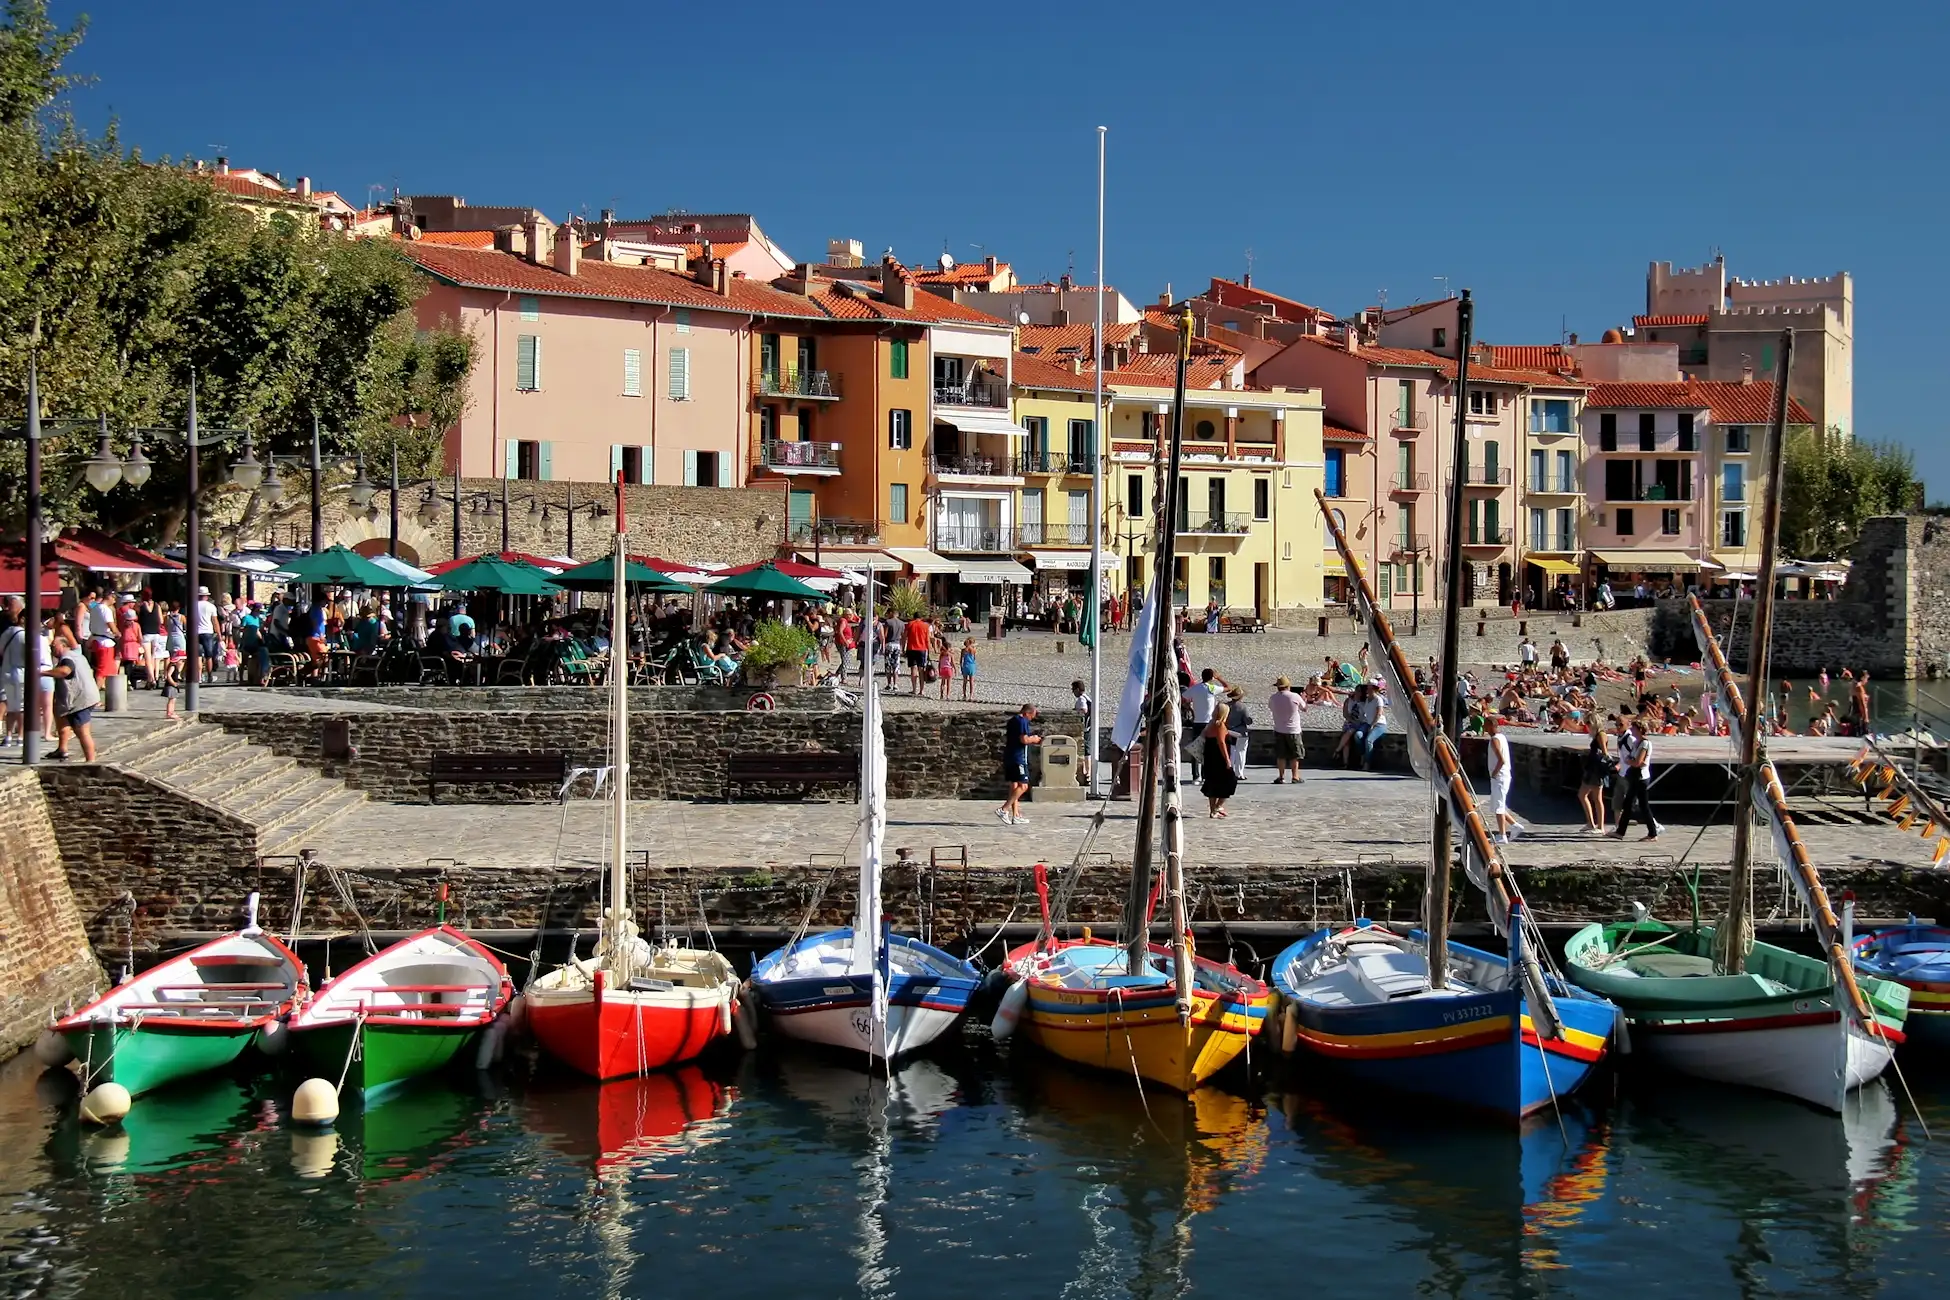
746 1019
487 1048
51 1048
725 1017
518 1016
271 1040
312 1153
1009 1010
106 1104
316 1102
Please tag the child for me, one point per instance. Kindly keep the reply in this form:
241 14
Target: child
172 681
967 668
944 664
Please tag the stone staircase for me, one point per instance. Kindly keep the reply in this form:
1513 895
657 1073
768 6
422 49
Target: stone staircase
289 804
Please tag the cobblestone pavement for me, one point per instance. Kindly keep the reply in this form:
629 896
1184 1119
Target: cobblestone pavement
1334 816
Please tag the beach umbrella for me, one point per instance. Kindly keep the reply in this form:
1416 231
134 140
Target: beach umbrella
790 568
600 575
767 582
491 573
417 577
343 567
541 562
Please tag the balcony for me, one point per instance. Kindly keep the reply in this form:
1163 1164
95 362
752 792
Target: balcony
1408 424
1406 483
1051 462
800 457
791 382
988 392
1554 543
1216 523
1489 537
1055 535
964 538
1654 492
974 466
1485 476
835 532
1555 485
1411 544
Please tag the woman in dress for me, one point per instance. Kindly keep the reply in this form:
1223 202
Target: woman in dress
1220 782
1598 767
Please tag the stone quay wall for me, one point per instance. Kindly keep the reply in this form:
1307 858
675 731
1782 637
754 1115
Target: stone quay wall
672 755
45 959
568 699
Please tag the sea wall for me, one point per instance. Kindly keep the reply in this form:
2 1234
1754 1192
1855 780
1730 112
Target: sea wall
45 959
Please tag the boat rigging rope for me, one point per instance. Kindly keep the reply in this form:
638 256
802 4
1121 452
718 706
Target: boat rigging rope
352 1049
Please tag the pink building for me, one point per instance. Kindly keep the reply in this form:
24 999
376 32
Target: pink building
589 367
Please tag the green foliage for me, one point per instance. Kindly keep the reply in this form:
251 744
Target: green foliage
908 599
1832 484
139 275
778 645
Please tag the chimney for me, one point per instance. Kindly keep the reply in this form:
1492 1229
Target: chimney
1574 341
896 289
701 272
1164 298
1351 338
800 281
539 236
567 253
718 277
1746 370
988 264
1064 282
511 239
223 165
304 187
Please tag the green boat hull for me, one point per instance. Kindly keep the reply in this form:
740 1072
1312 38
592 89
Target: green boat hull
386 1054
154 1055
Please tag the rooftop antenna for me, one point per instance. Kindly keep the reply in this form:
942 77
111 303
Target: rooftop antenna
1249 266
1381 300
1445 285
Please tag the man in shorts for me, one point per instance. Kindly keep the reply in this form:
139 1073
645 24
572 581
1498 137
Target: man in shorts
75 696
1286 709
918 639
1020 734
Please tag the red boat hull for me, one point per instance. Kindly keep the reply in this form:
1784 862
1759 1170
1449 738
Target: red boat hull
615 1038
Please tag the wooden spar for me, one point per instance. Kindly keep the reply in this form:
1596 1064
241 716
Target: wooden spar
1501 895
1765 784
1440 850
1165 677
619 649
1731 937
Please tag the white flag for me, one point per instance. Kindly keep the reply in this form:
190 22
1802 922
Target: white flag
1130 707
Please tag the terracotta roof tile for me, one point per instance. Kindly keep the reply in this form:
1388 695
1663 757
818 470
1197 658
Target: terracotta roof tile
245 188
1054 342
1034 372
1160 370
964 273
1335 431
1729 403
488 269
454 238
1642 321
1051 286
1234 294
1546 356
858 300
725 249
1446 366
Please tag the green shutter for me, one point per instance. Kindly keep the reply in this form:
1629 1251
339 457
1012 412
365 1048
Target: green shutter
511 459
528 362
680 374
690 469
544 461
724 469
897 359
632 373
615 461
648 458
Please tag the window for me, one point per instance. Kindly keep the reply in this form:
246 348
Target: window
1608 431
1567 474
1687 440
900 430
897 359
1733 528
1134 495
1440 338
1567 533
1336 473
706 469
1032 519
1482 402
1148 422
1083 441
897 503
528 363
1035 442
768 360
805 424
1624 523
1669 522
1405 404
1737 439
1550 415
1262 498
632 374
1648 439
1215 500
1539 474
1078 505
527 460
683 319
768 424
1215 579
1181 581
630 464
680 374
808 357
947 372
1205 431
1539 532
1733 484
1621 480
531 308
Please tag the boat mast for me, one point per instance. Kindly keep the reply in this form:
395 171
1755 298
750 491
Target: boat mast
1162 693
618 931
1447 716
1174 829
1730 938
869 935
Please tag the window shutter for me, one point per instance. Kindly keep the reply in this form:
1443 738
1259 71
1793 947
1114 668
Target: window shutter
690 469
544 460
531 309
680 374
724 469
632 372
511 459
649 462
615 461
528 362
683 320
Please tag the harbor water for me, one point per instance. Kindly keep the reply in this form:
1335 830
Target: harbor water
978 1173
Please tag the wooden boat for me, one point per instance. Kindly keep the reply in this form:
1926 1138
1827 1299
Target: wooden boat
863 988
1765 1018
1918 958
406 1011
623 1123
194 1013
629 1007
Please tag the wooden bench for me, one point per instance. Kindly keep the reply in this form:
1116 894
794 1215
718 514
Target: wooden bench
1241 623
496 769
804 770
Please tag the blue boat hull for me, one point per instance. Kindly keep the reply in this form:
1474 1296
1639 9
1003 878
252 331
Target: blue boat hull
1918 958
835 1007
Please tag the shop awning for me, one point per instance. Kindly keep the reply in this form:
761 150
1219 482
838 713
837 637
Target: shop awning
1554 566
994 572
1062 559
859 561
1334 568
1652 561
921 559
977 422
96 551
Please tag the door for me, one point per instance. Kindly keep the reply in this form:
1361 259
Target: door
1538 481
1215 501
1263 591
768 361
808 360
799 515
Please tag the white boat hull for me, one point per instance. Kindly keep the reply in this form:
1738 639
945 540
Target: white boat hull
1818 1063
908 1029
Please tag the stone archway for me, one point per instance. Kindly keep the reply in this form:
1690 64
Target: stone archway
417 546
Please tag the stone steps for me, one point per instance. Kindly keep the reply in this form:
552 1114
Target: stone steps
289 804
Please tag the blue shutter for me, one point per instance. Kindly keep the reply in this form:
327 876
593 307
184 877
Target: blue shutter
511 459
648 456
724 469
543 460
690 469
615 461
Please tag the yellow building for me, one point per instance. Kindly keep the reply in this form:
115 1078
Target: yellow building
1053 406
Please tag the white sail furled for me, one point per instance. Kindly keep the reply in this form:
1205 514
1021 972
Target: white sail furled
1130 706
1398 693
869 937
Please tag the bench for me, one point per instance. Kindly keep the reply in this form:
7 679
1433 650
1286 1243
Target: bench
804 770
496 769
1241 623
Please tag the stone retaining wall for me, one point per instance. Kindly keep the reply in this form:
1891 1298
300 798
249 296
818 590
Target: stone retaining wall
566 699
45 960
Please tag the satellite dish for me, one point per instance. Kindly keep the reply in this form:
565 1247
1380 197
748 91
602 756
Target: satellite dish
947 262
1022 318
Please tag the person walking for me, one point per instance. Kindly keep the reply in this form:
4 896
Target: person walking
207 649
1635 757
1599 766
917 638
148 621
1017 737
13 671
1499 760
1239 730
75 696
1203 701
1286 709
1220 782
1527 653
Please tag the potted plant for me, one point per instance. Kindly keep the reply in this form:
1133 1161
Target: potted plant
777 654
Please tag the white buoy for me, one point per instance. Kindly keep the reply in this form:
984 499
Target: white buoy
746 1019
518 1016
51 1049
316 1102
1009 1010
107 1103
272 1039
312 1153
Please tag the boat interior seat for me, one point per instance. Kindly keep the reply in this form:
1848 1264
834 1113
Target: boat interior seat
1663 963
1388 972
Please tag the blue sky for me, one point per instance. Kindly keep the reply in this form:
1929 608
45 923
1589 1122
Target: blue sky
1541 154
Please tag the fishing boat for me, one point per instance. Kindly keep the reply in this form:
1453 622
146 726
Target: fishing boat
189 1015
1416 1012
1154 1010
1709 1001
1918 958
403 1012
629 1007
864 988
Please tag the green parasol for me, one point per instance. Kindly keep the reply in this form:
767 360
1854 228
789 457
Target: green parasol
600 575
765 581
341 566
492 573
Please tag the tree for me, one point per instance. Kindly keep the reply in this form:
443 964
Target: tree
1832 484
